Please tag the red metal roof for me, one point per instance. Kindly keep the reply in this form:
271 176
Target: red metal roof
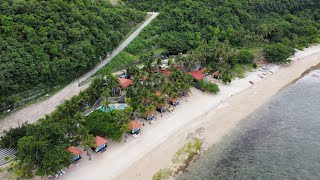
125 82
203 70
171 99
198 75
165 72
134 125
74 150
99 141
216 74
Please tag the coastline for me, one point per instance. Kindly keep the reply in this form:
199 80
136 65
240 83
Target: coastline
221 119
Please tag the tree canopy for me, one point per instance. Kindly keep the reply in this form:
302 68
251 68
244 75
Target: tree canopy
48 43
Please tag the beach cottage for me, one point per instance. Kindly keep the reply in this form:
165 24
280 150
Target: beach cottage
134 127
197 75
76 152
101 143
216 75
125 82
172 101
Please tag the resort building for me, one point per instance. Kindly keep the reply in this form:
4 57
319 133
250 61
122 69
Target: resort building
134 127
216 75
125 82
172 101
197 75
75 151
101 143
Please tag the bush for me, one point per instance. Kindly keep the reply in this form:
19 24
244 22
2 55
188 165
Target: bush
208 86
226 78
162 174
245 57
10 138
278 53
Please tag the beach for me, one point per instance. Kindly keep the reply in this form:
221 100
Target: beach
205 116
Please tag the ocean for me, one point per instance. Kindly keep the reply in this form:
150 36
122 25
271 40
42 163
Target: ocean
281 140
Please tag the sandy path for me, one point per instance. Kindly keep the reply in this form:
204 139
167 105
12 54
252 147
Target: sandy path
38 110
222 117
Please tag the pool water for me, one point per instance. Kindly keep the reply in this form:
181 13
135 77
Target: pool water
112 107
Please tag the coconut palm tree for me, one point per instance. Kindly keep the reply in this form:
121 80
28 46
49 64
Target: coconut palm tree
105 102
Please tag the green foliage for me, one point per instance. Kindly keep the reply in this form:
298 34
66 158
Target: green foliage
245 57
187 151
111 124
226 78
121 61
278 53
10 138
47 43
21 170
44 147
162 174
55 159
208 86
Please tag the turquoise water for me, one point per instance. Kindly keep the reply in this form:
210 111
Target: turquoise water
111 107
121 106
279 141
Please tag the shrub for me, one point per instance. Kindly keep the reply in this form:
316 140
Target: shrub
208 86
245 57
278 53
162 174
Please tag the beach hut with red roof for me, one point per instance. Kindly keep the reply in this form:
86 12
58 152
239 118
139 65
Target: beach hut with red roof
198 75
134 126
216 74
100 142
203 70
172 101
75 151
125 82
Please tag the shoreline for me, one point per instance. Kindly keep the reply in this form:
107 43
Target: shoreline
214 124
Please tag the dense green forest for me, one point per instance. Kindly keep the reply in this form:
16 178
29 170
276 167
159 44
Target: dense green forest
45 43
194 25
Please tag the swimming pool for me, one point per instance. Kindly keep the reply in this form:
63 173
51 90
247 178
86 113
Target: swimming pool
113 106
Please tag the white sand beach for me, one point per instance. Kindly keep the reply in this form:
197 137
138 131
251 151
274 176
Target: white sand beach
206 116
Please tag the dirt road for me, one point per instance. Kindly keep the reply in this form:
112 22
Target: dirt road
38 110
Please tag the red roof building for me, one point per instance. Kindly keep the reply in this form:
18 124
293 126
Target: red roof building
203 70
216 74
100 141
169 99
134 125
74 150
166 72
198 75
125 82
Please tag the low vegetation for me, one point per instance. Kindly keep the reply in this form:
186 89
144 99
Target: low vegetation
162 174
188 150
208 86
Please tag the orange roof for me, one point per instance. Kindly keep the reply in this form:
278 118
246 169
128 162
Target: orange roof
99 141
198 75
158 93
203 70
74 150
125 82
171 99
167 73
216 73
134 125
